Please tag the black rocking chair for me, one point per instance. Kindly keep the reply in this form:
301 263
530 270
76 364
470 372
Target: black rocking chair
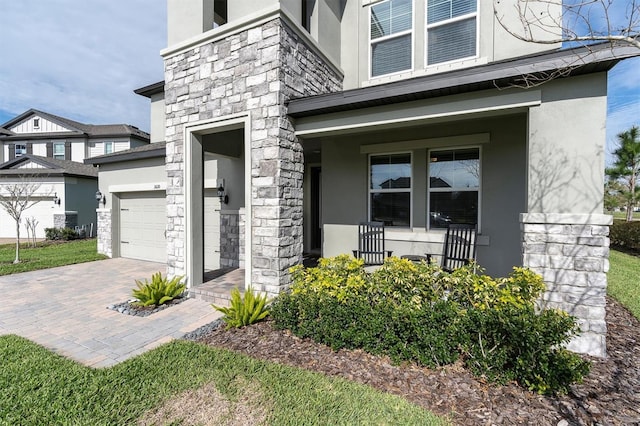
459 246
371 243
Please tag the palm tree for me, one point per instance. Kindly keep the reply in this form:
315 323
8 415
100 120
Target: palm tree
626 167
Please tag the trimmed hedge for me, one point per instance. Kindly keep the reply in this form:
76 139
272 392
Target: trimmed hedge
420 313
625 234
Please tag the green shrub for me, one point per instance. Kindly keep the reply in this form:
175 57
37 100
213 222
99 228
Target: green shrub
159 291
420 313
519 344
625 234
64 234
401 281
244 311
472 289
53 233
428 335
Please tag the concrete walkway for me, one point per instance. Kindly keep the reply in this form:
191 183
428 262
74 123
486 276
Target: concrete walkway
64 309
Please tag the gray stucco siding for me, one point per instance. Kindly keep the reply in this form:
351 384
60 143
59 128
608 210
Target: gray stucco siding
502 193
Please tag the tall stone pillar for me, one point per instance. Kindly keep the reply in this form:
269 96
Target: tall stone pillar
571 252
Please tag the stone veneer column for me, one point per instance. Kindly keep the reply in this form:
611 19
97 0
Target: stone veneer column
571 252
103 231
229 244
254 71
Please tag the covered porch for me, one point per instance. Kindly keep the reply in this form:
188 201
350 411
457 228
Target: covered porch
524 164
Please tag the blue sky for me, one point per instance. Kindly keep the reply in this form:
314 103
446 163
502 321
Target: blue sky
83 59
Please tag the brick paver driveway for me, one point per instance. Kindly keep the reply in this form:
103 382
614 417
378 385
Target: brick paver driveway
64 309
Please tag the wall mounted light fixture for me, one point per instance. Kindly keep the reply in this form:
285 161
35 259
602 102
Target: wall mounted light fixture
224 198
100 198
56 199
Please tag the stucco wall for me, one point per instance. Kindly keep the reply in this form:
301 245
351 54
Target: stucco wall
81 197
503 188
158 114
494 43
567 146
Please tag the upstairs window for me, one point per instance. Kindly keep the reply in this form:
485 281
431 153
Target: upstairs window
451 30
390 189
307 11
108 147
391 37
58 151
219 13
454 185
21 149
36 123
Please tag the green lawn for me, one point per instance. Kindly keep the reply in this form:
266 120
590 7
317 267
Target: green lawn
624 280
39 387
47 255
623 215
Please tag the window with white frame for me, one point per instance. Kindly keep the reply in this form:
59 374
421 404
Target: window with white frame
390 189
58 151
21 149
108 147
451 30
454 186
391 36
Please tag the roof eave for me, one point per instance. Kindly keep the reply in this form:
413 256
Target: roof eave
150 90
501 74
129 156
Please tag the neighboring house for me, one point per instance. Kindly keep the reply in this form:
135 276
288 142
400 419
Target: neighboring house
314 116
53 148
65 190
47 135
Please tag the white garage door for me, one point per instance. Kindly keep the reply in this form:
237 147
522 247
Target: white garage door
143 218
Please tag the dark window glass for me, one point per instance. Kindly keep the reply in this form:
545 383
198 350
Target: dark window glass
454 181
392 208
453 207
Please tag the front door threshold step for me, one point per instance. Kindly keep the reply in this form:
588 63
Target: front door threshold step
218 289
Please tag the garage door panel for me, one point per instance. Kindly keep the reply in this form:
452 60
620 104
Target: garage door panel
143 218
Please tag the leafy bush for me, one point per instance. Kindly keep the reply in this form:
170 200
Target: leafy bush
625 234
420 313
518 344
159 291
64 234
244 311
428 335
472 289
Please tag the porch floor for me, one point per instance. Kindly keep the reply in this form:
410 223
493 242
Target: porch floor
218 285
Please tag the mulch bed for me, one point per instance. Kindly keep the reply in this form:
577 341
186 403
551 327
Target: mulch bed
609 395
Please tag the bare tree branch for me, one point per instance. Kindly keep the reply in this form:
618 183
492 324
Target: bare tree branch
18 196
579 23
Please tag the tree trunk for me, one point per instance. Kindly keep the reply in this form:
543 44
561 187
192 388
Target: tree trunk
17 259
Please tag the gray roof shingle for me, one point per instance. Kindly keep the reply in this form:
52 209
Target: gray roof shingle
50 166
81 128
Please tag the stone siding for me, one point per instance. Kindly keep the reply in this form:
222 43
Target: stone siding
229 239
254 71
65 220
571 252
104 232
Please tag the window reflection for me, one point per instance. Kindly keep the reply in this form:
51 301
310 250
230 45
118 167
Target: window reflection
454 181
